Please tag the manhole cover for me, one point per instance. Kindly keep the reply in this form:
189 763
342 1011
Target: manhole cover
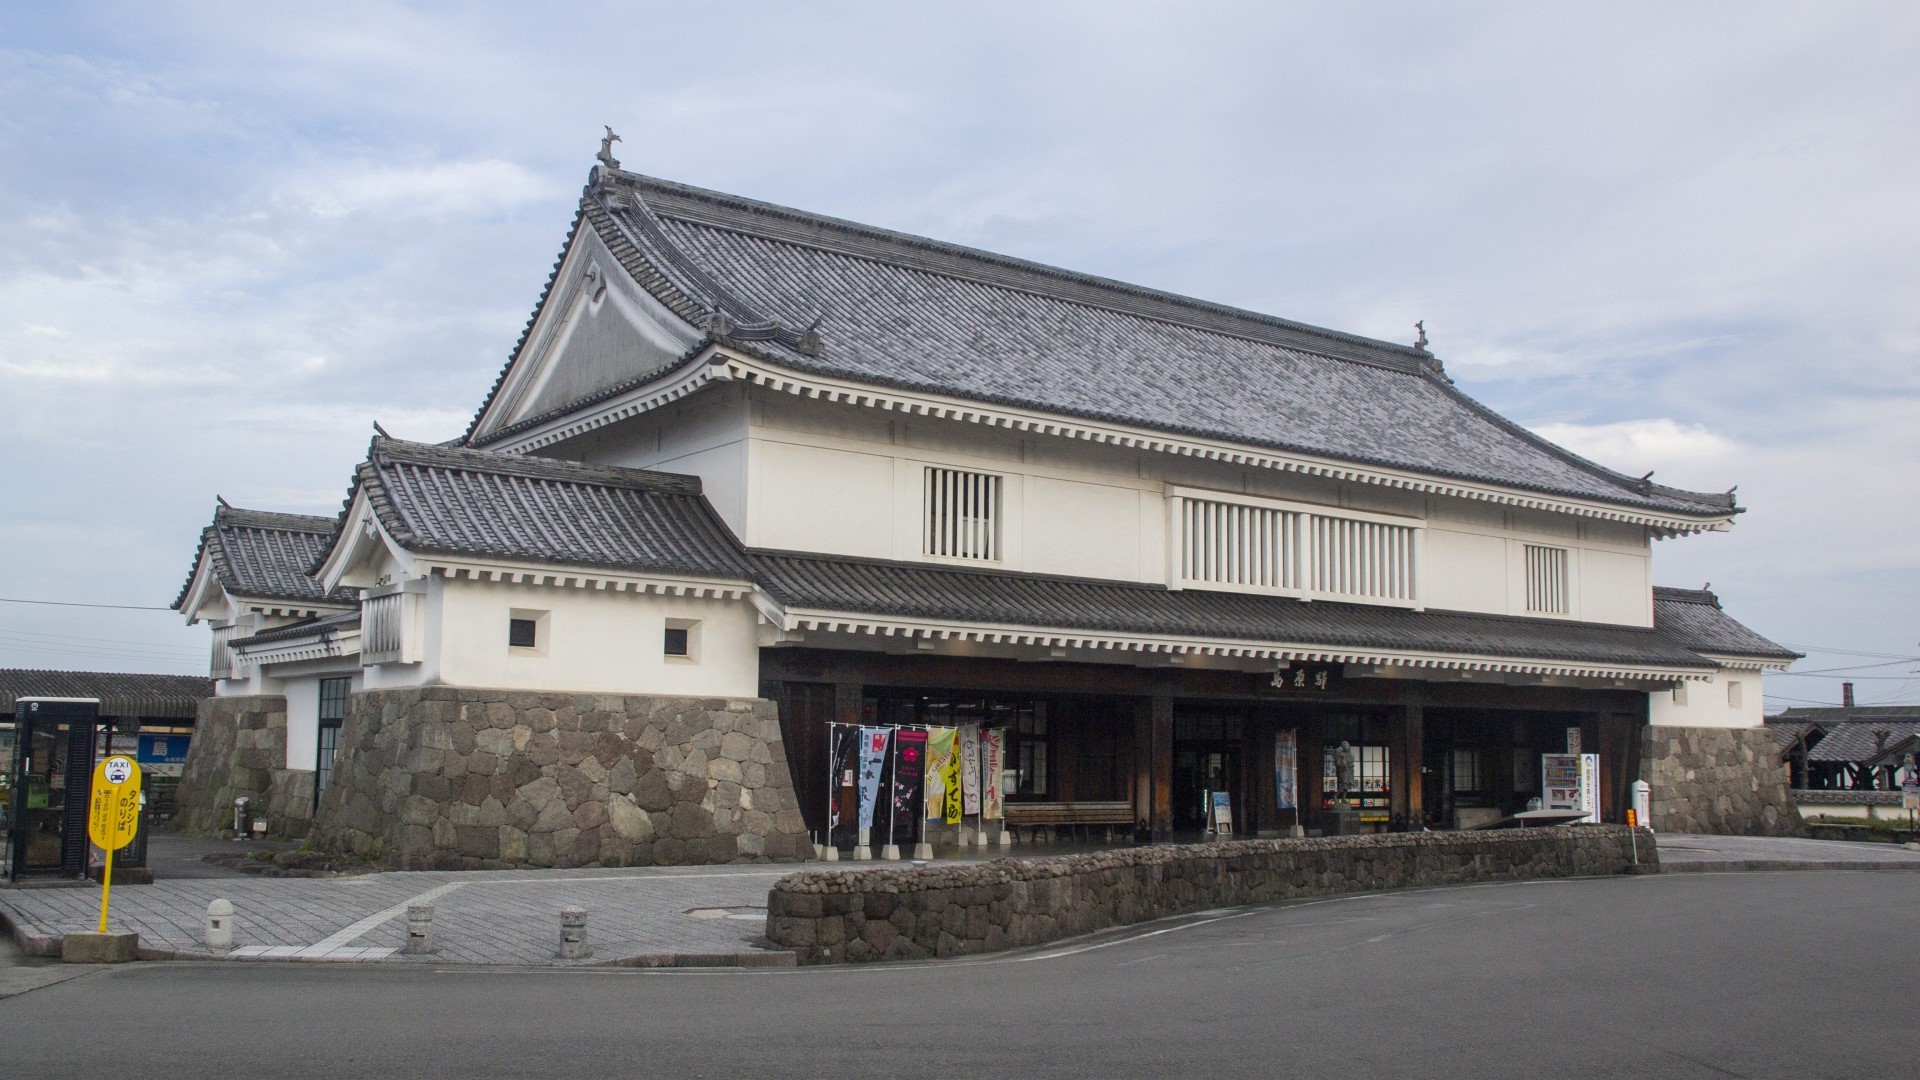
741 913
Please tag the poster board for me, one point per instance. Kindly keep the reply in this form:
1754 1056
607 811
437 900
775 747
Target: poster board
1220 812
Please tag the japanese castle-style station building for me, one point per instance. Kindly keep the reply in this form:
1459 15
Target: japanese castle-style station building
751 473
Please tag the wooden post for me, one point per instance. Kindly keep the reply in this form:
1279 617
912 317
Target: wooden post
1162 754
1412 805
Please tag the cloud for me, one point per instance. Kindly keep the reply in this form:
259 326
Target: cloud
450 188
1637 446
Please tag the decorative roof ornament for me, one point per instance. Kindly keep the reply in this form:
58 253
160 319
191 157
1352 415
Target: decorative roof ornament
718 325
810 343
382 432
605 156
1421 341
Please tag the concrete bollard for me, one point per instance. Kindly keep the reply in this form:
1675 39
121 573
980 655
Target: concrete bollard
573 934
1006 835
220 925
419 929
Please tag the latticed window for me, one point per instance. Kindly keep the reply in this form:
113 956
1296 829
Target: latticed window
962 514
1278 549
1546 580
333 710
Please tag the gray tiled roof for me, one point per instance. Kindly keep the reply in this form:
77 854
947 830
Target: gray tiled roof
903 311
161 697
937 593
1693 617
266 556
1854 740
448 501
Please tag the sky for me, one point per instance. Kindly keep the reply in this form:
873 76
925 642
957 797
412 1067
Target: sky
1676 237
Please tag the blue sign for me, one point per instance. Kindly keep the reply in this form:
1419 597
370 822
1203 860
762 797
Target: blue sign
163 749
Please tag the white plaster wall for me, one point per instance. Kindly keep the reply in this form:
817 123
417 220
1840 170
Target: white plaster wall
592 641
704 436
791 473
1711 704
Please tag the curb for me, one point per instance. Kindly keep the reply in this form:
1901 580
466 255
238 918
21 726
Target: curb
1762 865
780 958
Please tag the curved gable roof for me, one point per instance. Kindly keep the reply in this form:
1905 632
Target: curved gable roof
265 556
906 312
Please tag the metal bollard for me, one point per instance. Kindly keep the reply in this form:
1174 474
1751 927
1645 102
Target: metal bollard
220 925
419 929
573 934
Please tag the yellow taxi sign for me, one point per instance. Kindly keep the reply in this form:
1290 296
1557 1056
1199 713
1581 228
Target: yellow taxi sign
113 815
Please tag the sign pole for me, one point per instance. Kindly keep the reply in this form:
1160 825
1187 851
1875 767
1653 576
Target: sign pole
114 816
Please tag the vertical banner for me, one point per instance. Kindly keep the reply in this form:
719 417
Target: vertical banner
840 770
873 758
941 758
993 752
909 766
1285 774
970 768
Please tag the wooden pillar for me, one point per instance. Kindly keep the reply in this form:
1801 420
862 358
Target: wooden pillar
1161 753
1409 793
1142 789
847 701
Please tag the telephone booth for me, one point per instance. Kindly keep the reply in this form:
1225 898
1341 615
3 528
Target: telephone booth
53 754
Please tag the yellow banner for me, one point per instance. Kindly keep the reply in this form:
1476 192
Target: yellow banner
942 752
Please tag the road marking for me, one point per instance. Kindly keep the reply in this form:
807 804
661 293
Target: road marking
1058 953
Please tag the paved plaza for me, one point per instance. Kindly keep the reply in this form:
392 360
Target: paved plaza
683 915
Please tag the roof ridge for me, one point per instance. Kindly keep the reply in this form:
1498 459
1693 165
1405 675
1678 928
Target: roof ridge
272 519
1335 344
1676 595
433 455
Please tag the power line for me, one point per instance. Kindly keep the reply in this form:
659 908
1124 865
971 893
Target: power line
36 635
1847 652
70 603
1860 667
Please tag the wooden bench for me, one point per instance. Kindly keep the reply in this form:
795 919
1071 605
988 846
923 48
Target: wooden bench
1077 816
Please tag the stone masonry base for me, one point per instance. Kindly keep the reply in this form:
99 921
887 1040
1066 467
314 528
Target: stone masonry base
1727 781
456 778
239 749
907 913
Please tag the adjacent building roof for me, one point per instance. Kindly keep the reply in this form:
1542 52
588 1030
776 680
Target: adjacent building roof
1847 734
1693 617
331 624
438 500
265 556
977 597
160 697
901 311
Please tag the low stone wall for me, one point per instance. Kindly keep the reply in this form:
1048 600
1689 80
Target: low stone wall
452 778
239 748
1727 781
909 913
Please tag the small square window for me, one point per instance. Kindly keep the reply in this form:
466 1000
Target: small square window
676 641
523 633
1735 695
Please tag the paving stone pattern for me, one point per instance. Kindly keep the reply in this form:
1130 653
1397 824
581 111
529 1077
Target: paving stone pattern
450 778
496 917
1729 781
841 916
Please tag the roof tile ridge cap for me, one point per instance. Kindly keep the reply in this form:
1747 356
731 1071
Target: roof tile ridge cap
1629 483
653 249
207 532
709 286
656 481
274 520
1407 353
1678 595
526 331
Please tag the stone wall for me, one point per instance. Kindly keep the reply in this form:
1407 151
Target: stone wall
452 778
239 748
907 913
1728 781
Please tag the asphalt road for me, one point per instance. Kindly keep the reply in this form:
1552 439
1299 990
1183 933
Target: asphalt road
1802 974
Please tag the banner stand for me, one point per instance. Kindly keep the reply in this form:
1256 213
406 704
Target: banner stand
863 851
